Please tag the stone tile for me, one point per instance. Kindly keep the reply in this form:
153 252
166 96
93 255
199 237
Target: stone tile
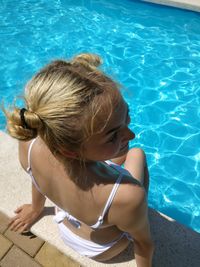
49 256
27 241
5 246
18 258
3 222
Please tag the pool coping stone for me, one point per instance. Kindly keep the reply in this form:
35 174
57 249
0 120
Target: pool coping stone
192 5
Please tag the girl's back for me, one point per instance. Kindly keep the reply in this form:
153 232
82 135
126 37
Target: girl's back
84 204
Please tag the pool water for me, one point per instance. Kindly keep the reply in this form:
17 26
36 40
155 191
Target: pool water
154 51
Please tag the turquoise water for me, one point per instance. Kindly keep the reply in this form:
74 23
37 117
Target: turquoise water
153 51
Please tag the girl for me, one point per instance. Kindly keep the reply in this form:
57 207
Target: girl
73 136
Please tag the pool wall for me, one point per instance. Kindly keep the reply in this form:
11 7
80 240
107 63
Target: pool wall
193 5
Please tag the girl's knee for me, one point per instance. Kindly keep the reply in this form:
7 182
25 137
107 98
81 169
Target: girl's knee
137 152
136 164
137 155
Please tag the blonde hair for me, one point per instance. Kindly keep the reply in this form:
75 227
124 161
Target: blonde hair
64 104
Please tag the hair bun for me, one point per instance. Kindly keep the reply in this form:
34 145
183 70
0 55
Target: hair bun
32 120
90 61
23 125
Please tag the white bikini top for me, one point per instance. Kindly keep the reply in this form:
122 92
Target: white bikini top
61 215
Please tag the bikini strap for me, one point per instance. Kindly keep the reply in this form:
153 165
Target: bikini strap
109 202
29 167
29 155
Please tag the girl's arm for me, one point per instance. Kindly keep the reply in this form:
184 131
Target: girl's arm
38 200
27 214
132 217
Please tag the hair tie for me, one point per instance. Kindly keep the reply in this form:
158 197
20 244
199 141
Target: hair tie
24 124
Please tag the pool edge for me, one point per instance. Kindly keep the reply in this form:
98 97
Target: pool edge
182 4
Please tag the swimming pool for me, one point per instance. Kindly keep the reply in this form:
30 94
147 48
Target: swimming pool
154 51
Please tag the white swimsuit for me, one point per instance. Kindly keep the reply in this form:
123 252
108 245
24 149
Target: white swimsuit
83 246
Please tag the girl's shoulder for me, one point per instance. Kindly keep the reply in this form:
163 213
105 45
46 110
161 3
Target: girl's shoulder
126 177
130 190
110 175
130 195
129 200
